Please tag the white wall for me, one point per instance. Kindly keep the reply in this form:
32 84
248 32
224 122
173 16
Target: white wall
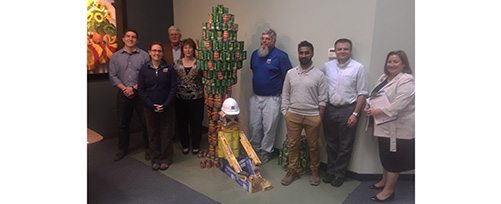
393 30
321 22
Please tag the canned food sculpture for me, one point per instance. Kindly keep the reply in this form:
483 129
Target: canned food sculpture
220 55
245 171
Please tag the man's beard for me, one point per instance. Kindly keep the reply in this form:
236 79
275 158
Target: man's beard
263 51
305 61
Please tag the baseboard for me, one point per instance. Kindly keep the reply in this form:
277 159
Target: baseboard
368 177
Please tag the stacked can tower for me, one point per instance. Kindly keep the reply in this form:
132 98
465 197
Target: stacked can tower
220 55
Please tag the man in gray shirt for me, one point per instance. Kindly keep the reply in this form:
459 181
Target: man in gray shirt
124 67
304 95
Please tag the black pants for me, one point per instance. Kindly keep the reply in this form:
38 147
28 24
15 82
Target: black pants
126 107
160 131
339 138
189 118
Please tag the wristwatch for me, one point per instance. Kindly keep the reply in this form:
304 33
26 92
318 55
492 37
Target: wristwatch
355 114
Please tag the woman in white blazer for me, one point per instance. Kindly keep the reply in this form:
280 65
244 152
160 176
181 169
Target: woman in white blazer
393 120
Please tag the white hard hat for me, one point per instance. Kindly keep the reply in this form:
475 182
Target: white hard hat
230 107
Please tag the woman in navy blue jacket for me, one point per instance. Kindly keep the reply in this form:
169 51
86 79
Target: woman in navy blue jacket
157 88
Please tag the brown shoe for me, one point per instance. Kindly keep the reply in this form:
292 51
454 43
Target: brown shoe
289 177
314 178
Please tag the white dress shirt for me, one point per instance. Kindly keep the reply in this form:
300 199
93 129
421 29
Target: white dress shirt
346 81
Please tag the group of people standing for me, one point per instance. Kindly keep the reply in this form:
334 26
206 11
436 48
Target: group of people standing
153 83
334 95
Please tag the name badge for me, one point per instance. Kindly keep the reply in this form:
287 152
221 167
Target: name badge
268 61
165 69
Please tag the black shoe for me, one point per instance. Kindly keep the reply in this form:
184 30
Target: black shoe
373 186
120 155
337 181
186 150
391 197
328 178
195 151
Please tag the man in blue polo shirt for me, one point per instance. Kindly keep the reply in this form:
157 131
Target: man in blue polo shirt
269 66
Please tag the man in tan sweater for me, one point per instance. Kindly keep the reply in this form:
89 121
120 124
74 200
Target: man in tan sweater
304 96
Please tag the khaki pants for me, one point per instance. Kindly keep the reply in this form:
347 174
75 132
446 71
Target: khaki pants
295 124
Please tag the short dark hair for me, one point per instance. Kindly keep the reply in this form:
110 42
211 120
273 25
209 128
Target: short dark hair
305 43
157 43
191 43
344 40
131 30
403 57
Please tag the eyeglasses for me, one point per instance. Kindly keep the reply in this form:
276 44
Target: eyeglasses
130 36
156 50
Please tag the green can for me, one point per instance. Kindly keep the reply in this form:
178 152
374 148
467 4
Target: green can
225 65
241 45
207 55
213 81
237 46
207 34
225 45
222 55
210 55
204 65
219 35
209 75
244 55
220 65
234 66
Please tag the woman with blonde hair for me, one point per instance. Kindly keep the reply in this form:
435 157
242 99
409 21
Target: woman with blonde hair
391 108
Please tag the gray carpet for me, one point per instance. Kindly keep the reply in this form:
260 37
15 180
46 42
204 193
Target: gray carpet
128 181
404 193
